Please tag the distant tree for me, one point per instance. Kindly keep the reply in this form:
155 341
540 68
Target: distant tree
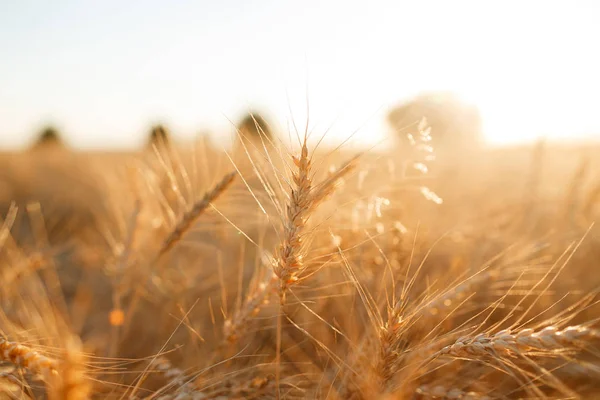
254 126
47 138
454 124
159 136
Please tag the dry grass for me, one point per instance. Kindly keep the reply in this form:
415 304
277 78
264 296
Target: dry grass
306 273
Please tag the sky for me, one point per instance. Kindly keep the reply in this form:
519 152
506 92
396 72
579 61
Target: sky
103 72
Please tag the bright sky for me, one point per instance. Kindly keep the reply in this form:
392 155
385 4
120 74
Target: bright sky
104 71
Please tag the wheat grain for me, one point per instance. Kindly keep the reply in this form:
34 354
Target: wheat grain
197 209
507 343
289 260
25 357
288 264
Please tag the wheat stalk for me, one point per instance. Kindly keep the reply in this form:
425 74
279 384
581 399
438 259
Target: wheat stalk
71 383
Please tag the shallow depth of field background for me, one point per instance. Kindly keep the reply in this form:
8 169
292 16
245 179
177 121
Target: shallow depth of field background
159 240
104 73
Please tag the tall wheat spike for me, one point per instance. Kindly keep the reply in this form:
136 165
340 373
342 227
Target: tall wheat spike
288 262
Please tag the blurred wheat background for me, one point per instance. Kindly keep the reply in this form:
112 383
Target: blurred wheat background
411 216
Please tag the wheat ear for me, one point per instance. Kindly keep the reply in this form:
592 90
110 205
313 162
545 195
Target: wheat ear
251 307
303 200
25 357
289 260
192 215
508 343
389 338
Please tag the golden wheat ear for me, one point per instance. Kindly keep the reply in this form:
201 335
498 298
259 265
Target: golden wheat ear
527 341
27 358
189 217
288 264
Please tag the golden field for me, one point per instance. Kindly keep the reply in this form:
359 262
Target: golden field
305 272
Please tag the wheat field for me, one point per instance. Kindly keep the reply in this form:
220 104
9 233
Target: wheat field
272 271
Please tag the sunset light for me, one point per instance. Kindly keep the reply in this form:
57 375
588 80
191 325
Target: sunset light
286 200
105 71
